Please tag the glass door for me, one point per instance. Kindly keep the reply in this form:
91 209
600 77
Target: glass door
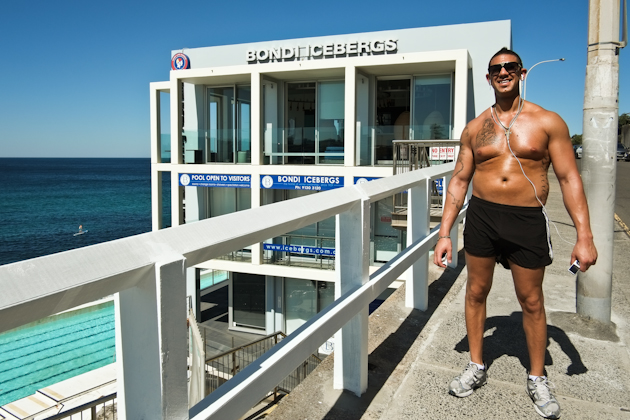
300 138
432 107
220 123
243 124
393 104
330 122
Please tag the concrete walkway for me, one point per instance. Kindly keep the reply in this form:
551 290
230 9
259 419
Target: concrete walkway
414 355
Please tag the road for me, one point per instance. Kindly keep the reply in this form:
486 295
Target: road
622 201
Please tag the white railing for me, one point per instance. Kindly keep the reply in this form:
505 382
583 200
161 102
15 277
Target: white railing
148 275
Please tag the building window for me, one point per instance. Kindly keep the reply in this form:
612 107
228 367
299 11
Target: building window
248 301
229 200
387 241
313 130
311 246
393 105
303 299
410 108
432 108
330 122
224 134
210 278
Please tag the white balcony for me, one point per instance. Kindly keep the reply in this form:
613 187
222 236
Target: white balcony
147 274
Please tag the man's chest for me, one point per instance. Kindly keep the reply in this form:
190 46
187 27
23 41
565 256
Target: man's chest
525 139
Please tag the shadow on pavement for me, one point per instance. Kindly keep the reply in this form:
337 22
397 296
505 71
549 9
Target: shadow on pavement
386 357
508 339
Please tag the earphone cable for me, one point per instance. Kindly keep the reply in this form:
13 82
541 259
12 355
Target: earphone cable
495 118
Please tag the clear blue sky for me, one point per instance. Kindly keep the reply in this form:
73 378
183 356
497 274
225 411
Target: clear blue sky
75 76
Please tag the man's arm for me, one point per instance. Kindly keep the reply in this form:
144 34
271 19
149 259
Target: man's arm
454 197
565 168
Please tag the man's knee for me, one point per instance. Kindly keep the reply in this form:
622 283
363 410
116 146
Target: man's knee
477 291
533 303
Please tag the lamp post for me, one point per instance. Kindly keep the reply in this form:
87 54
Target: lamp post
599 163
530 70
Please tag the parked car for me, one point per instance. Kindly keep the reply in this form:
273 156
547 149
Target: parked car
622 153
578 152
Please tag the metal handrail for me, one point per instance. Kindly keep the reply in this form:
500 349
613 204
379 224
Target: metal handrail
223 367
244 346
43 286
87 406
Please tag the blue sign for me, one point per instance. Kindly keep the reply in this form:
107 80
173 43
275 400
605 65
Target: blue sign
299 249
215 180
180 62
438 182
439 185
362 179
301 182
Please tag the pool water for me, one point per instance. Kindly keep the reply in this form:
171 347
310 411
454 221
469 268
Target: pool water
54 349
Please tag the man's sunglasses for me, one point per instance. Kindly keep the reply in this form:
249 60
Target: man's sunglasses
510 67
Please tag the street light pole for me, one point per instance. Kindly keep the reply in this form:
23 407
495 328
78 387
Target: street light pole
530 70
599 153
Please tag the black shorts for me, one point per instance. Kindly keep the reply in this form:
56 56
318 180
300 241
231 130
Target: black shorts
518 234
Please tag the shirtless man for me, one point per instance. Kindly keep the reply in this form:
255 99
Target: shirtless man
506 222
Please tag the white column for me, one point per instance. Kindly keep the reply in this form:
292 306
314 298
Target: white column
177 199
155 124
156 147
177 157
193 284
156 199
351 264
256 120
418 219
350 116
151 346
461 94
270 307
257 151
176 120
256 199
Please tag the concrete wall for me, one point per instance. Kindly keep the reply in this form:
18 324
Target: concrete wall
481 40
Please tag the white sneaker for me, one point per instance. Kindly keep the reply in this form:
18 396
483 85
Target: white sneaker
544 402
471 378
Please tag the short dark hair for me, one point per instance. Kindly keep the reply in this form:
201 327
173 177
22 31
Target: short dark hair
506 50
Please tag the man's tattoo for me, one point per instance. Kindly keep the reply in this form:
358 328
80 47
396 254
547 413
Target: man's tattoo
464 134
545 187
543 178
487 135
457 203
545 162
459 165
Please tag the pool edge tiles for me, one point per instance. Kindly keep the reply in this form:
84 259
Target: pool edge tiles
66 394
23 383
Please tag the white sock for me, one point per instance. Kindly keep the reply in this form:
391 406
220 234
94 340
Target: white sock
480 367
533 378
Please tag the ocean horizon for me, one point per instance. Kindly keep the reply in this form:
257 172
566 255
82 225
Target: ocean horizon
45 200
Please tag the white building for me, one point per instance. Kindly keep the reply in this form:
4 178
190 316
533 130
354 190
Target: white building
269 121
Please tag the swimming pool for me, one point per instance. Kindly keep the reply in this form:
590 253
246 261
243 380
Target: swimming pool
56 348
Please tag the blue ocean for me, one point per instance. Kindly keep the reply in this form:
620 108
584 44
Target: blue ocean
44 201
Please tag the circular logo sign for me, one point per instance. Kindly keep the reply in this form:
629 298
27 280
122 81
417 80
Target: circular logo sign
361 181
180 62
267 181
184 179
